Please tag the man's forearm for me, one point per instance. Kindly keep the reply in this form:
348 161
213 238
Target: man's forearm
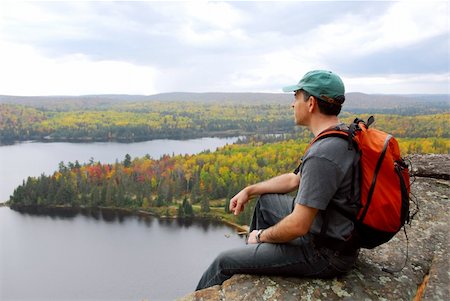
287 229
292 226
281 184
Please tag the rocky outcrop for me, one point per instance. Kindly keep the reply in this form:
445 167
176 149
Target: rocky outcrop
425 276
435 166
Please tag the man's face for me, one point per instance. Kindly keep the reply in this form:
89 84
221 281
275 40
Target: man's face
300 106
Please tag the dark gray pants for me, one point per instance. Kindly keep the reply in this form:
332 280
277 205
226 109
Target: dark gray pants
298 258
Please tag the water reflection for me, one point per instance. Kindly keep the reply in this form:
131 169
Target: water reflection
119 216
54 213
99 214
146 219
90 213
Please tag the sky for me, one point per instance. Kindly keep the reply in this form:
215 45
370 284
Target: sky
149 47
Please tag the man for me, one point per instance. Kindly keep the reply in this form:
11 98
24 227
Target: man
307 235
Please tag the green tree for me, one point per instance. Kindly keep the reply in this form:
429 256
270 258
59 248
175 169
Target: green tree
205 205
127 161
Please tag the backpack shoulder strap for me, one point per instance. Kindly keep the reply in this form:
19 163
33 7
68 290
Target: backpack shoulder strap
341 132
337 131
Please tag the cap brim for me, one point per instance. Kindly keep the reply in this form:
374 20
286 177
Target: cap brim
291 88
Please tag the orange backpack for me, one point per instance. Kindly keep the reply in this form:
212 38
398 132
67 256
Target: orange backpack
385 184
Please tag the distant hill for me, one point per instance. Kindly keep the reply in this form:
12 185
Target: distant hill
173 96
357 99
355 102
397 104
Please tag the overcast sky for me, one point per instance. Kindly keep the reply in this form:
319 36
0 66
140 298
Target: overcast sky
93 47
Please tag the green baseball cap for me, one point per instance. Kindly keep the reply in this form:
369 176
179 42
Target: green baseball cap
323 84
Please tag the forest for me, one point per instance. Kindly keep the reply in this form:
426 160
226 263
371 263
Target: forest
141 121
188 185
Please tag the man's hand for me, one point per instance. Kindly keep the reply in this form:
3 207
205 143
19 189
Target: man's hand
252 237
282 184
238 202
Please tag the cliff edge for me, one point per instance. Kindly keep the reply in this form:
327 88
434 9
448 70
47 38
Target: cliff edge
425 276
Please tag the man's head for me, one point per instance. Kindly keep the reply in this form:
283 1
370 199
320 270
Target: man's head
326 86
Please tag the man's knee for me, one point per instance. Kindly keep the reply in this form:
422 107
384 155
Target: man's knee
274 200
221 260
277 205
219 270
265 199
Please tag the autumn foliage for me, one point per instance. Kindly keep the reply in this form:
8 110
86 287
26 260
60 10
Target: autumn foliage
189 180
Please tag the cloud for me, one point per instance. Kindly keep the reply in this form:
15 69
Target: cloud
222 46
29 74
363 35
399 83
218 15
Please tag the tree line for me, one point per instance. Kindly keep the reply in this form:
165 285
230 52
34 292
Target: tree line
182 120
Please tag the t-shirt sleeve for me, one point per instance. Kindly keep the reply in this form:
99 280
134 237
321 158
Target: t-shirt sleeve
320 179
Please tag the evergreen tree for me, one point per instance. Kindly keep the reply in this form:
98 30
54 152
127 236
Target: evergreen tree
95 197
205 205
61 167
77 164
127 161
187 208
109 193
227 205
160 201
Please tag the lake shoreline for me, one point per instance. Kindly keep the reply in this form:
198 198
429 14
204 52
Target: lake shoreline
71 210
127 140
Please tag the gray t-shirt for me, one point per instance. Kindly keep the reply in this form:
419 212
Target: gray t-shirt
327 177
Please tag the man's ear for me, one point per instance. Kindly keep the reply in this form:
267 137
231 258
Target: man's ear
312 104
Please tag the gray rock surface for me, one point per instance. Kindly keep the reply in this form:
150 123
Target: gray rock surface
431 165
427 267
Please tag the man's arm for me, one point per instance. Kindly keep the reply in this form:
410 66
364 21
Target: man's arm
292 226
281 184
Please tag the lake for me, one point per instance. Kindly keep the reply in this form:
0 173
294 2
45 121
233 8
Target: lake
100 255
105 255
